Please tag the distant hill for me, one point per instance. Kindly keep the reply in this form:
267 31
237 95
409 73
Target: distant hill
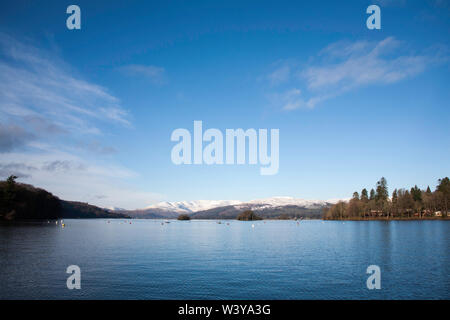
149 213
23 201
231 212
73 210
229 209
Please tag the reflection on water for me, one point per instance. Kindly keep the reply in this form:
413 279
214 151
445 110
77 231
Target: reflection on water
206 260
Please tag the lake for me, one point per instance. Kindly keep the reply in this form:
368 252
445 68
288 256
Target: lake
202 259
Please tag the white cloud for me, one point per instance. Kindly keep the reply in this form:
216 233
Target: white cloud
363 63
280 74
291 99
345 66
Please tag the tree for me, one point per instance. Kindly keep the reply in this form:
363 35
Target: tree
372 194
11 180
394 196
405 202
394 205
444 189
354 208
416 193
382 193
356 195
10 191
337 211
183 217
364 195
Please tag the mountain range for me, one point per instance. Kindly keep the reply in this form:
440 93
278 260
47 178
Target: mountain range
229 209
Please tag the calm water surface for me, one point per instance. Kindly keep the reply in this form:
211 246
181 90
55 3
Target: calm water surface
206 260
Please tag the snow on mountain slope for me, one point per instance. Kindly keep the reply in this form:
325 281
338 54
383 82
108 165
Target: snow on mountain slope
192 206
287 201
258 204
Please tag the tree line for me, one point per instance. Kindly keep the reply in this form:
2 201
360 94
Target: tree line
403 203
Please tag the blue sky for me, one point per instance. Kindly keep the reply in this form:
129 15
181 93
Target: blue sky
88 114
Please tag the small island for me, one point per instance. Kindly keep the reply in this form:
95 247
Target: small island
183 217
248 215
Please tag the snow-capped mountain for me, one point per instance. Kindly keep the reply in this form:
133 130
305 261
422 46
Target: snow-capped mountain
285 201
115 209
191 206
211 208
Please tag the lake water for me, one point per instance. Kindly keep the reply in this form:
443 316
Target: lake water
207 260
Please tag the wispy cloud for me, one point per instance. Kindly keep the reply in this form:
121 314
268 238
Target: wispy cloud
364 63
50 127
289 100
156 75
345 66
280 75
35 83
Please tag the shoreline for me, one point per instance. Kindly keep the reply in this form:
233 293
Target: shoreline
389 219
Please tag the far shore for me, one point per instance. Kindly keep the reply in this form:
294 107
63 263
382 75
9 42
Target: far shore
388 219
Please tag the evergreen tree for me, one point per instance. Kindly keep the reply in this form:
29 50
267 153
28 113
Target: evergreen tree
364 195
372 194
355 195
394 206
10 190
416 194
444 189
382 193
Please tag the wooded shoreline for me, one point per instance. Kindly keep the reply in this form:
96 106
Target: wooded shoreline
389 219
413 204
